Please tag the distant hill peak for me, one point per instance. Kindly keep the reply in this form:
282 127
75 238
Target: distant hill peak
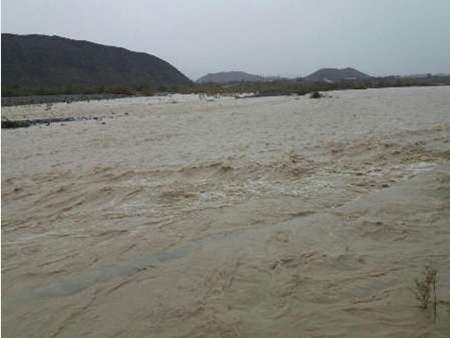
336 74
231 76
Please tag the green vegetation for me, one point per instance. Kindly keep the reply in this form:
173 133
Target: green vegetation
146 90
316 95
259 89
302 86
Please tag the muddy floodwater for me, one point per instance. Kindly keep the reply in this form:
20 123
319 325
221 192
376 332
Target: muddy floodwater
182 216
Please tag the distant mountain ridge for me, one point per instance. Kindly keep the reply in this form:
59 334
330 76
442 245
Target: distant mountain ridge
324 74
51 61
335 74
228 77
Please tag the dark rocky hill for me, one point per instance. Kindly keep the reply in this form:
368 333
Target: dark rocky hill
40 61
334 75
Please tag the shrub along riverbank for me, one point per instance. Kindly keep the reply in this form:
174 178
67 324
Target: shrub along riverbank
19 96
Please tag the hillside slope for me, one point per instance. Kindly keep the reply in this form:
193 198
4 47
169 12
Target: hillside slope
34 61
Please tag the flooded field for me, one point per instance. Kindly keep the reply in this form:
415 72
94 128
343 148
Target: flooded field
219 217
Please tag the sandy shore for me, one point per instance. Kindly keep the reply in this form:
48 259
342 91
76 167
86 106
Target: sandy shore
264 217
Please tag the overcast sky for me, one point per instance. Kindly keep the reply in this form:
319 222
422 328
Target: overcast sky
282 37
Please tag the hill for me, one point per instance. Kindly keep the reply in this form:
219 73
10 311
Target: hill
335 74
228 77
41 61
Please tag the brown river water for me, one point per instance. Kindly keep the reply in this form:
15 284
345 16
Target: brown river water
180 216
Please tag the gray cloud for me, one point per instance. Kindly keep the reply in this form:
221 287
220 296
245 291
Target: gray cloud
283 37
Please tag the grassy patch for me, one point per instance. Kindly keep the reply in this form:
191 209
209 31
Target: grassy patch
425 289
